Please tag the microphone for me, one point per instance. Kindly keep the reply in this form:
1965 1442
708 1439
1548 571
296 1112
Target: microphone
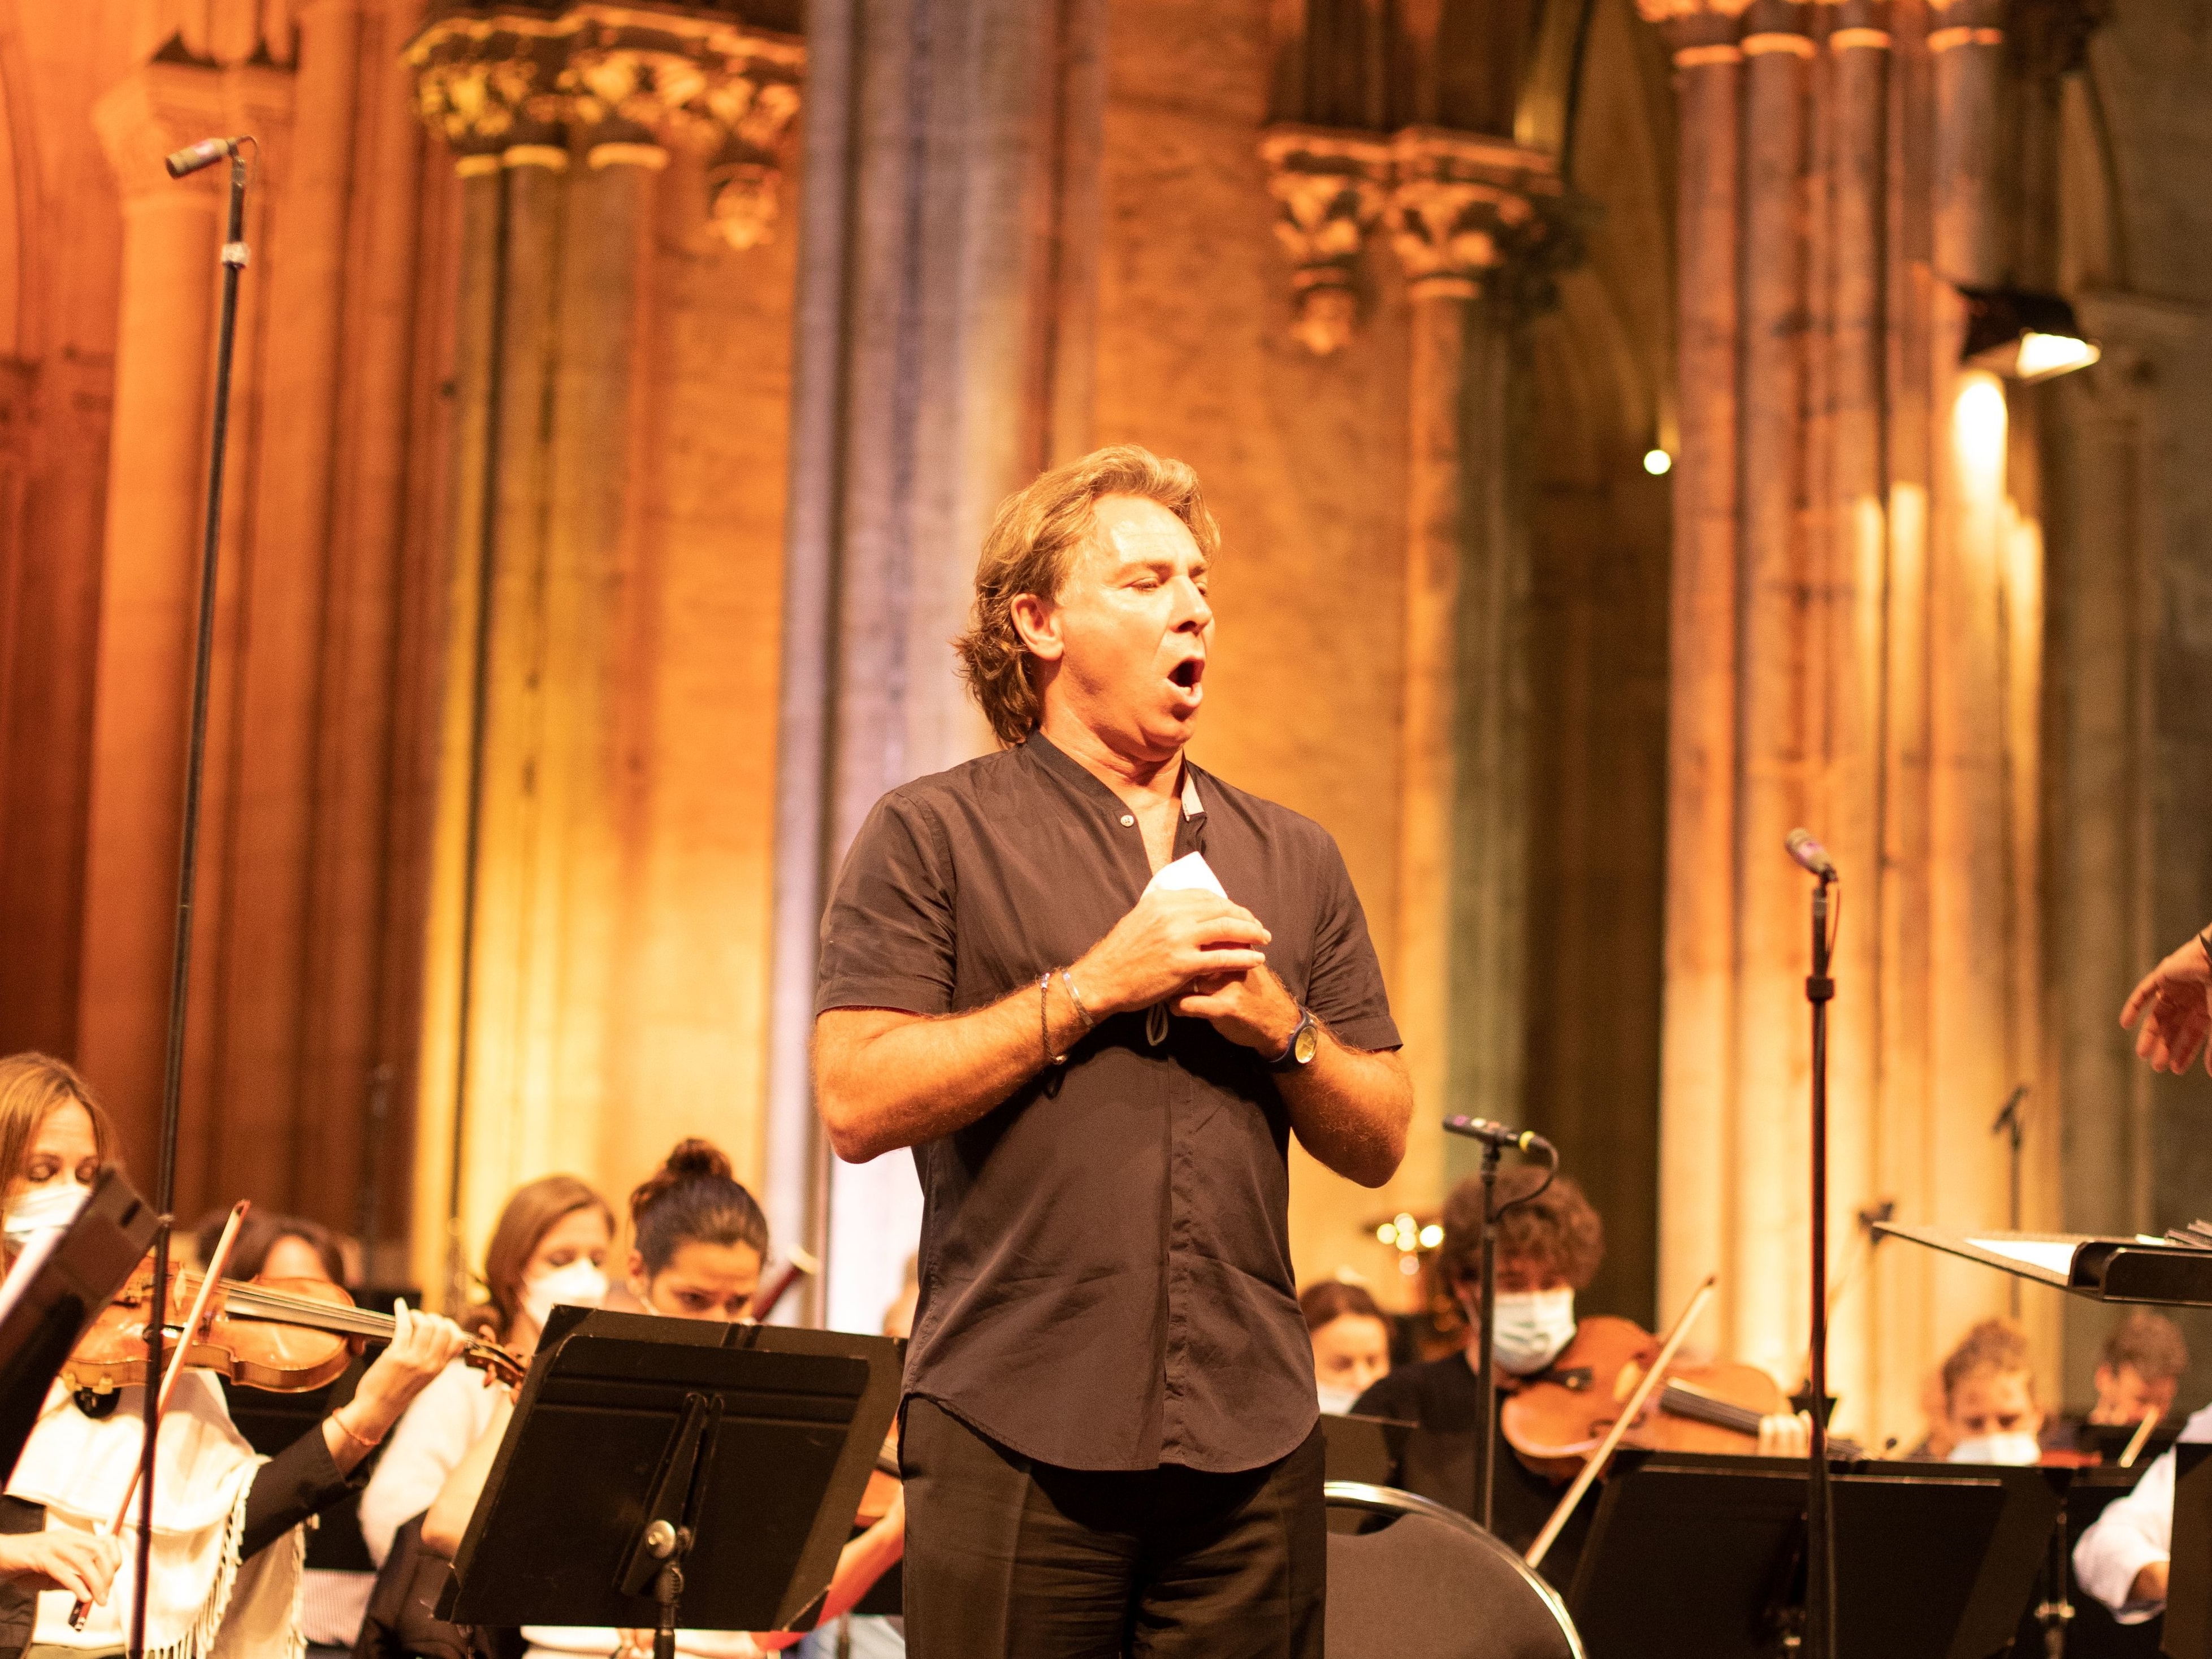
1810 853
205 154
1497 1134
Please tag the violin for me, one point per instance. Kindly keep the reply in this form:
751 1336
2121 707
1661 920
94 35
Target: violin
1555 1420
287 1335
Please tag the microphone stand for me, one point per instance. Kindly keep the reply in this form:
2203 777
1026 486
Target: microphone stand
2010 1123
1820 1511
234 257
1485 1363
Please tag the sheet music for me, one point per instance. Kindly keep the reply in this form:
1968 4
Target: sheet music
2051 1255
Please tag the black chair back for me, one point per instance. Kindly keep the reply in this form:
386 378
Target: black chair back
1422 1582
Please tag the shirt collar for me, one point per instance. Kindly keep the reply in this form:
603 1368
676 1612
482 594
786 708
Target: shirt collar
1058 760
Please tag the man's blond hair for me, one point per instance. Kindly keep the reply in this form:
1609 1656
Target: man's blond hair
1030 549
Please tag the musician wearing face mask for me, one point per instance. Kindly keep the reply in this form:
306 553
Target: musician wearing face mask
217 1586
1549 1246
1351 1342
699 1240
1989 1397
549 1247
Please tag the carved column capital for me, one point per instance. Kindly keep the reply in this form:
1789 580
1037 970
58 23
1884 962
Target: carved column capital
621 81
1329 187
487 84
1469 214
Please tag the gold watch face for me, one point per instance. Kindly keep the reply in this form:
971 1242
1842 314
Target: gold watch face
1306 1044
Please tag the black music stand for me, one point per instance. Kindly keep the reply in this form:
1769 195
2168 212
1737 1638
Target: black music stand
650 1460
57 1289
2188 1630
1694 1557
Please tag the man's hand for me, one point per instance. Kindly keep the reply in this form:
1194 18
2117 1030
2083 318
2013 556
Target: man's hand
1170 938
1254 1009
82 1563
2174 1003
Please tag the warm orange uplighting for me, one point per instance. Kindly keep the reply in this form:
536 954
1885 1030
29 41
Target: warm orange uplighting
1977 425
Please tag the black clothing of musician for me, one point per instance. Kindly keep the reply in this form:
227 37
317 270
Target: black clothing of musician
1442 1398
1105 1269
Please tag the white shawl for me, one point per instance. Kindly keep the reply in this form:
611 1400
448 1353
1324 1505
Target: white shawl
204 1603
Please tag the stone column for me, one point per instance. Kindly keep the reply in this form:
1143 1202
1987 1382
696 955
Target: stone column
1980 1040
1764 1287
1850 567
563 132
157 472
927 386
285 598
1697 1057
1472 222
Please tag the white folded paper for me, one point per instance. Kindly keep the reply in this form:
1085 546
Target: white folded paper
1191 871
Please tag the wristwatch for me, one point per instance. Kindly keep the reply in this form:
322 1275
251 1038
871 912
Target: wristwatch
1304 1044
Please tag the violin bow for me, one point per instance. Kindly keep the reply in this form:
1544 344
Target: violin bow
210 1284
1622 1424
2139 1438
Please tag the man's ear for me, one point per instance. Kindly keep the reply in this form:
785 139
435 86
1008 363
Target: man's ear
1038 621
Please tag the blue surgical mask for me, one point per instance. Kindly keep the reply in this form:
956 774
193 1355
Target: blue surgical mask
1533 1327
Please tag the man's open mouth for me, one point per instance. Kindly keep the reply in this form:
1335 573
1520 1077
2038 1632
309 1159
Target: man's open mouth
1186 673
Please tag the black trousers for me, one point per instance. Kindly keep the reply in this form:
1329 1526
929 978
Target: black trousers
1006 1559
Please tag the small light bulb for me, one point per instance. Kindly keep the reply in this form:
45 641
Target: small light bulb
1658 462
1432 1235
1409 1264
1387 1233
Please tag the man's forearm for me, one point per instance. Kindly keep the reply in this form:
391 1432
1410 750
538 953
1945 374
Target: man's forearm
885 1080
1350 1110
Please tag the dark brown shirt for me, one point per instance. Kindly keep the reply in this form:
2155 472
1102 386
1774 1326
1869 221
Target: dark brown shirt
1105 1256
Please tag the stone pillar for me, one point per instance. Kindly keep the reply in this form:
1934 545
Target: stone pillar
563 132
157 468
1764 1280
363 905
263 980
1474 222
1980 1031
1697 1057
1850 559
926 389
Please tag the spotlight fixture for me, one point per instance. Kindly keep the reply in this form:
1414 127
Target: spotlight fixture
2022 336
1657 462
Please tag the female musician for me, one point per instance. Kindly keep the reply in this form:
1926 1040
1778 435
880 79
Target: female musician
698 1240
549 1247
216 1586
1350 1341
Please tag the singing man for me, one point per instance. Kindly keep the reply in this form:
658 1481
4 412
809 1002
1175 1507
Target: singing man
1110 1443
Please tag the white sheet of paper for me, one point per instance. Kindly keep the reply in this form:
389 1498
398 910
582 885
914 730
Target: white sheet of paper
1191 871
2051 1255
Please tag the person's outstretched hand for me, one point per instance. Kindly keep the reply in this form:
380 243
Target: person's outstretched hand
2174 1003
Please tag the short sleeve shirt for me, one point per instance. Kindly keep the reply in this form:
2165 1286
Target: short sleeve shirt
1105 1267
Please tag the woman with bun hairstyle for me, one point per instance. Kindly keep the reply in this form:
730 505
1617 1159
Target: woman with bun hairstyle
549 1247
698 1240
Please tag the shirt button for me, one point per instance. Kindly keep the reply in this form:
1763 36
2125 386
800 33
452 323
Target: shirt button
1128 818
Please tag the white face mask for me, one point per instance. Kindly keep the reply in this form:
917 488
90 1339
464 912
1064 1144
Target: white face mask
579 1284
44 1209
2015 1448
1533 1327
1337 1401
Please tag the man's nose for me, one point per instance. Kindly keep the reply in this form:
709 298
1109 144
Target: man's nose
1194 612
